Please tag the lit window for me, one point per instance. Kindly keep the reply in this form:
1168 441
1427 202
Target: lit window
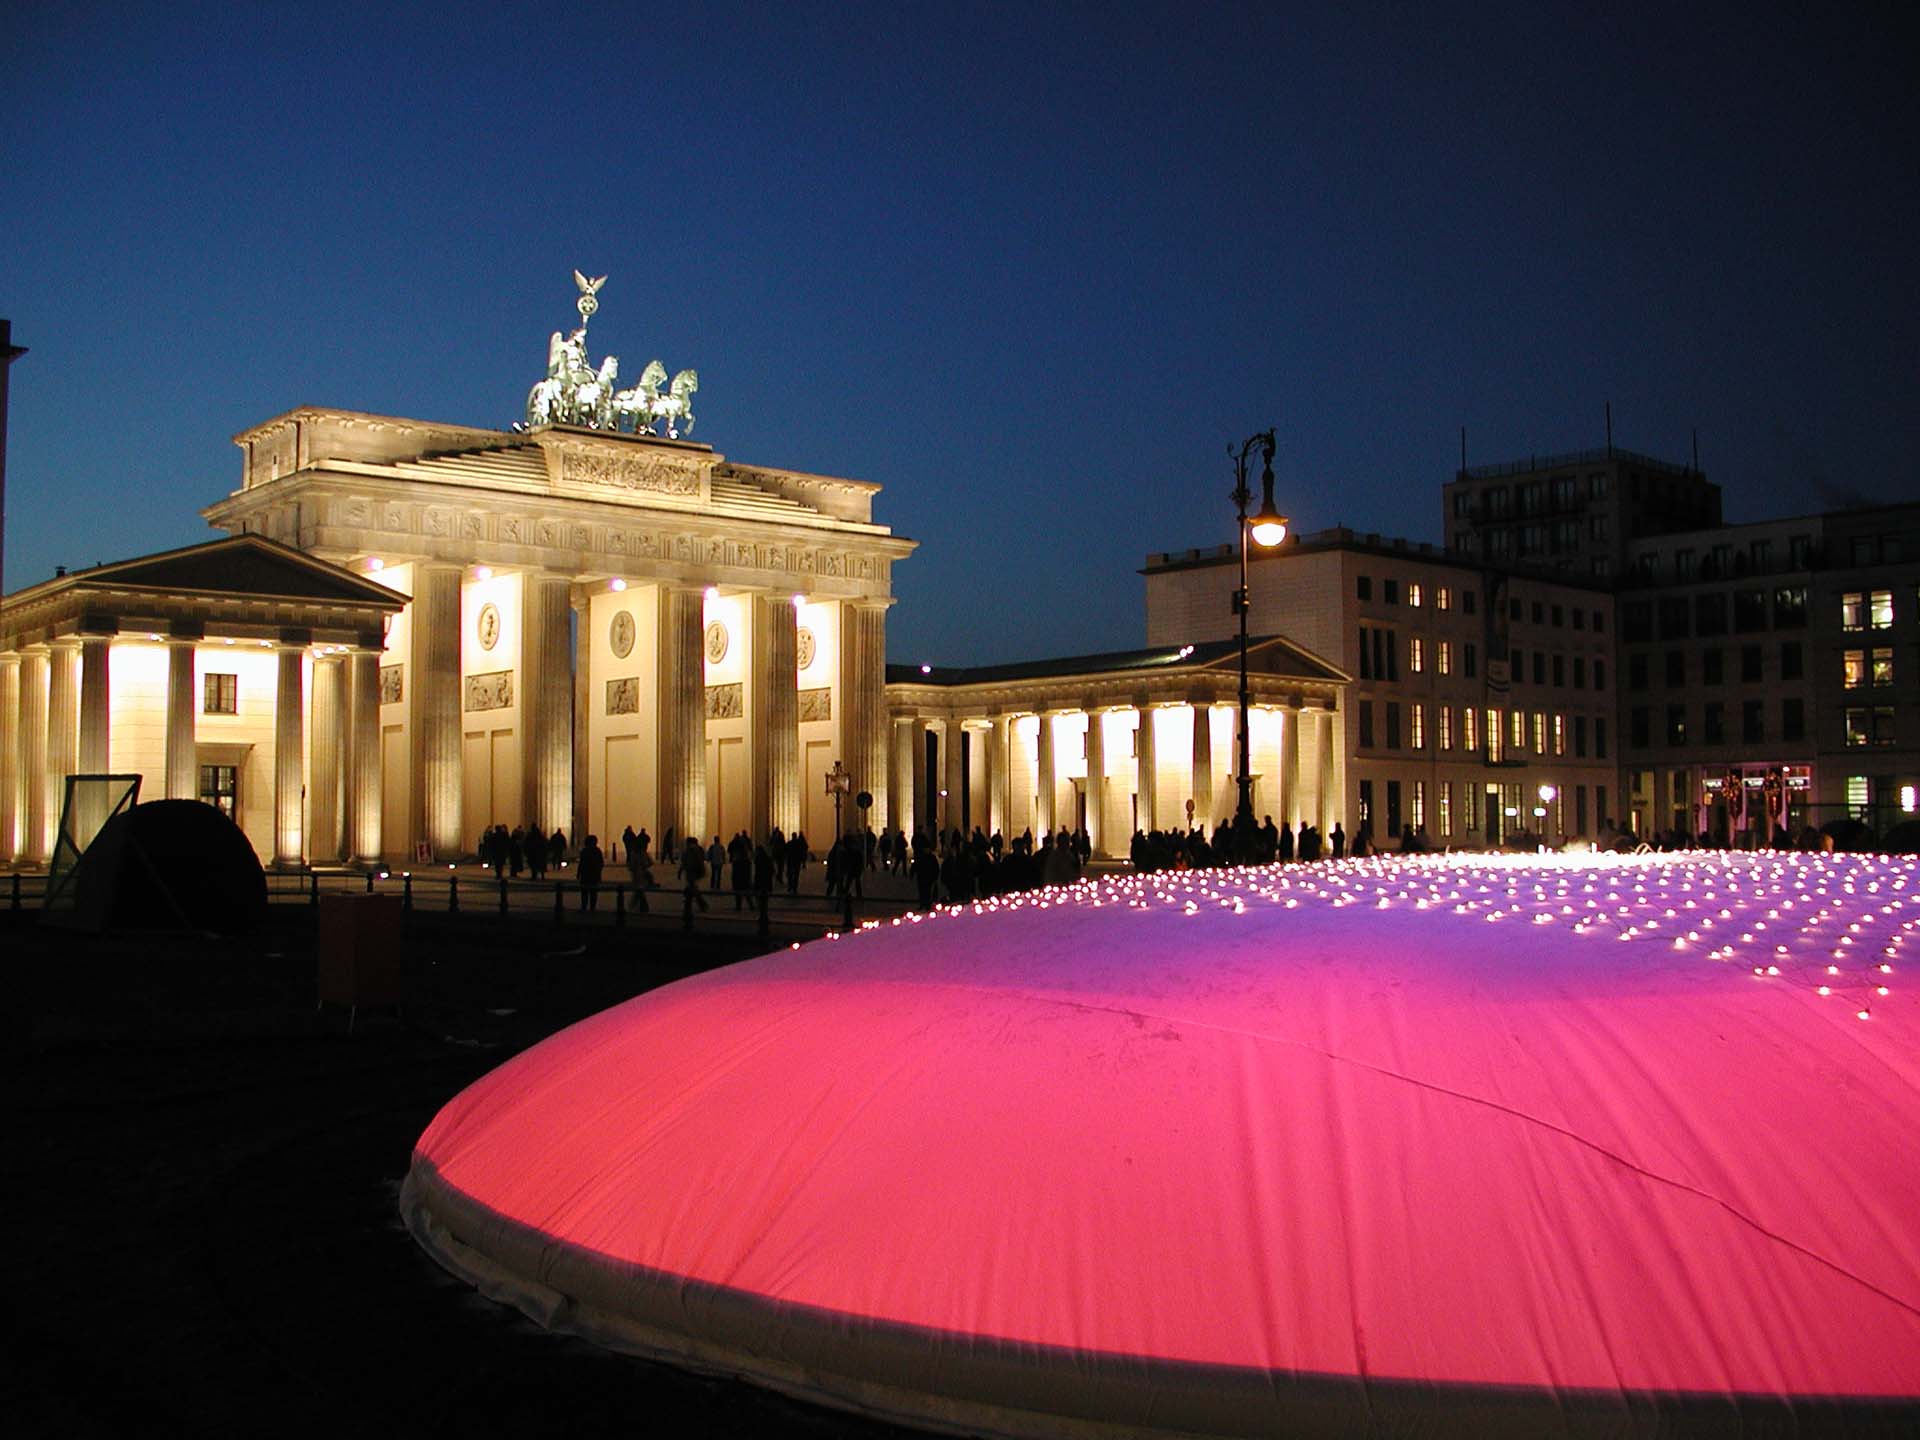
1853 668
1559 734
1517 730
1418 733
1880 609
1446 727
1446 807
1853 611
1470 728
1494 733
1416 653
1443 597
1419 804
1445 657
220 694
1416 594
1909 798
1883 667
1857 798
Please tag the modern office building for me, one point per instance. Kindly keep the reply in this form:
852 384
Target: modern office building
1768 674
1577 513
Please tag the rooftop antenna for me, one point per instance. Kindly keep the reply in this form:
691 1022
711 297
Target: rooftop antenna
1696 449
1463 452
1609 429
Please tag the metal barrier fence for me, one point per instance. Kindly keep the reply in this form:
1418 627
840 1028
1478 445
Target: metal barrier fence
566 902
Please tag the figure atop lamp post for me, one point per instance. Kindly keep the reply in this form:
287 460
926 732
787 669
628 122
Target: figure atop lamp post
1267 529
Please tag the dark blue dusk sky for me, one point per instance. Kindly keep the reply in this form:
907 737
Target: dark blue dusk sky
1031 268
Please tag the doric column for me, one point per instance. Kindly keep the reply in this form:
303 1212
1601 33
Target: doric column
1043 797
1097 781
546 701
580 709
95 749
364 785
62 728
919 812
326 786
1325 808
183 709
682 712
773 724
435 678
900 791
1291 810
1146 772
96 706
1000 776
953 807
289 756
34 828
863 693
11 769
1203 764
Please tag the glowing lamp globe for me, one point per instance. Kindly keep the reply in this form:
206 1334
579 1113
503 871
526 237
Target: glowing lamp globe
1423 1145
1269 529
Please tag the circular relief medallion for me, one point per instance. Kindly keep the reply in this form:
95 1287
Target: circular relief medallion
620 634
805 647
488 626
716 643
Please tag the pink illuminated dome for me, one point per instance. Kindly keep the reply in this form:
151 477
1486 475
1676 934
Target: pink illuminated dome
1456 1145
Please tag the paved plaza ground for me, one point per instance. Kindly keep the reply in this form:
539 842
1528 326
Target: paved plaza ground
203 1175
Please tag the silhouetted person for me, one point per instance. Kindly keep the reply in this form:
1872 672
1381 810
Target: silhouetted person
1339 838
693 869
592 862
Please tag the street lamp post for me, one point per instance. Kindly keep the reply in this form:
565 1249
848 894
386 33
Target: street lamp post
839 784
1268 528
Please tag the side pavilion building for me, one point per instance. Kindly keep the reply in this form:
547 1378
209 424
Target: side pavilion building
1136 739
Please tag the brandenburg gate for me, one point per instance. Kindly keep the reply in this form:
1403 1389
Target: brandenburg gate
606 626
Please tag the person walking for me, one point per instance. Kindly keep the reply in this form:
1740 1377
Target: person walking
742 864
592 863
693 869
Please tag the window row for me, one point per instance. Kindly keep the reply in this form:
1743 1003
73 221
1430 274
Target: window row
1509 733
1862 668
1556 666
1681 616
1866 610
1460 810
1715 724
1541 613
1417 594
1870 725
1380 655
1713 667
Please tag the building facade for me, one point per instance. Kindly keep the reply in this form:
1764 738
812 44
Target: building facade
1575 512
1769 674
238 672
1482 701
602 629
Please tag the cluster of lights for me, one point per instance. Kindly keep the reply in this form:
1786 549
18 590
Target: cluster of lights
1835 924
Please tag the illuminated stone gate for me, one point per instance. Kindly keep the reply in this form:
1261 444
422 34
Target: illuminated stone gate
605 629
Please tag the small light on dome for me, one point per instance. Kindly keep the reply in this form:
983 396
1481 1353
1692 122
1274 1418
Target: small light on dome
616 584
926 669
